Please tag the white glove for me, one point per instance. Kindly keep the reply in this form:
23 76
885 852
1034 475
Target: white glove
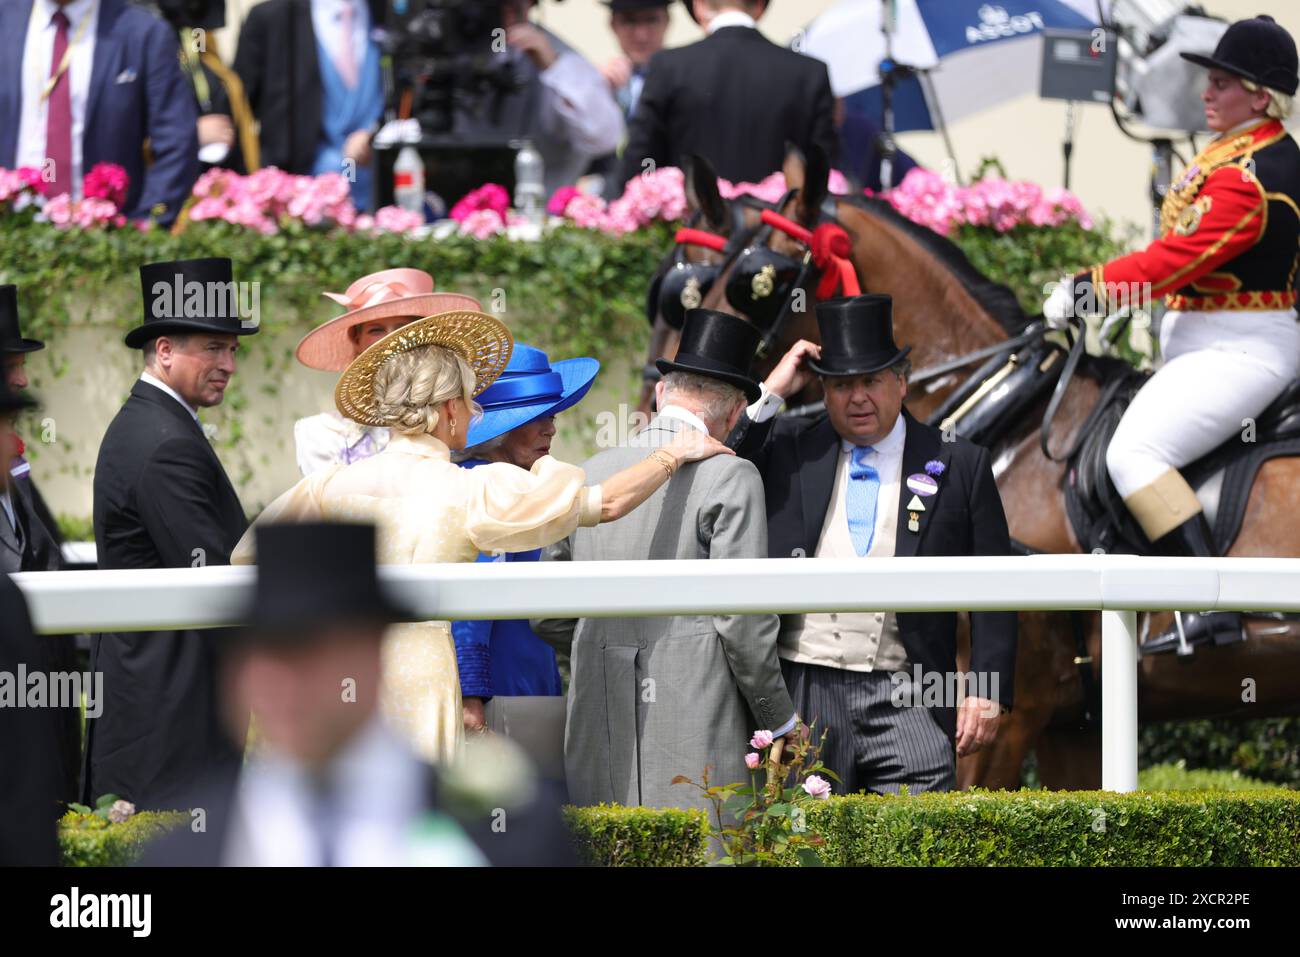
1059 308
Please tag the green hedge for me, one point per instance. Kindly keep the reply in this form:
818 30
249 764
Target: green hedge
89 840
610 835
1173 828
1178 777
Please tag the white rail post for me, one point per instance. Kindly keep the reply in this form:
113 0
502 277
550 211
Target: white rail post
1119 700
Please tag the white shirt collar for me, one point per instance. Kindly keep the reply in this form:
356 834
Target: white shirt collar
891 444
684 415
73 11
732 18
157 383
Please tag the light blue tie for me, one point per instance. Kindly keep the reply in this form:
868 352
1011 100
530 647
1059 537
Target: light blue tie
860 499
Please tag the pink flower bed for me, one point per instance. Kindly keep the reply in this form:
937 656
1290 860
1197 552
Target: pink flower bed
927 198
104 187
271 198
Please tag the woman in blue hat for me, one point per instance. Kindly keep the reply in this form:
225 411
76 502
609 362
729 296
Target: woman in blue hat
518 424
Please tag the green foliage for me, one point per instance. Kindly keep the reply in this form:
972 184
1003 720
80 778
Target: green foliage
1019 828
611 835
1176 777
89 840
1266 748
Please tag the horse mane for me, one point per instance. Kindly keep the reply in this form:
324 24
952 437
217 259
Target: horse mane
993 297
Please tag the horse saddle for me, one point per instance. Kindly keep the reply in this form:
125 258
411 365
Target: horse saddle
1222 478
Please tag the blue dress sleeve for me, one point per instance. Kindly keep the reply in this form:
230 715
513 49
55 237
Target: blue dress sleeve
474 653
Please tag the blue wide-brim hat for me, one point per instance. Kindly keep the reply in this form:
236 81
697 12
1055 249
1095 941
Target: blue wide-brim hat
530 387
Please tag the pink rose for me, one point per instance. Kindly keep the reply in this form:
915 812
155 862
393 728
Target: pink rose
817 786
761 740
489 196
481 223
106 181
560 200
752 760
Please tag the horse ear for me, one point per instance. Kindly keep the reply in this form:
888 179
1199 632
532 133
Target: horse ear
814 188
794 167
702 191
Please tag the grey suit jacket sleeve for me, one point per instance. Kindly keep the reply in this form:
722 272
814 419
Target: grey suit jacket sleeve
734 524
557 632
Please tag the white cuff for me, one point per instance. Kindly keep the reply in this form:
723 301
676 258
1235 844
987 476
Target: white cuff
786 728
590 499
767 405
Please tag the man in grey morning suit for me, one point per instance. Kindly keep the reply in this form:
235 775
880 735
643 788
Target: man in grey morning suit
651 698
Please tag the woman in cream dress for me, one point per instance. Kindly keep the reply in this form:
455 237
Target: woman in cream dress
420 381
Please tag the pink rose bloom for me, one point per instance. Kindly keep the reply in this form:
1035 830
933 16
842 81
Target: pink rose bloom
817 787
481 223
837 183
489 196
364 222
586 211
752 760
59 211
31 175
560 200
395 219
761 740
106 181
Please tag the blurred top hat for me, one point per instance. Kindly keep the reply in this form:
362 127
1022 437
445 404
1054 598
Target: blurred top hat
857 334
188 295
11 338
316 574
718 345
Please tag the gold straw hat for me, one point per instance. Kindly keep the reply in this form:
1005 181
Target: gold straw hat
483 341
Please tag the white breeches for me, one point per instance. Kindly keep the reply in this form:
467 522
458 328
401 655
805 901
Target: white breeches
1220 371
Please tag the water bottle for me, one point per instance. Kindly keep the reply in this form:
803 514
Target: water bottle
530 188
408 180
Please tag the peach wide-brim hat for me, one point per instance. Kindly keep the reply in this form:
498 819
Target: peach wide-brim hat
381 295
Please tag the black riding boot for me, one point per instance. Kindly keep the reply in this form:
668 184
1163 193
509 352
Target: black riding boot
1193 539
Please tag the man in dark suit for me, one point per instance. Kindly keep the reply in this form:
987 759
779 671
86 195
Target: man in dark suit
29 541
867 480
30 793
734 98
163 500
117 92
331 784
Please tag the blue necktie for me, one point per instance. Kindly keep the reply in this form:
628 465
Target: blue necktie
860 499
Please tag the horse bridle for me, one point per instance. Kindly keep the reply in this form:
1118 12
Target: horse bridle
682 285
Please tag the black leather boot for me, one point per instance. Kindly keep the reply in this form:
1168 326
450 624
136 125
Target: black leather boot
1193 539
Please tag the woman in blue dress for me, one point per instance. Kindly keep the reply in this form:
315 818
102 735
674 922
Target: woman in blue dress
518 424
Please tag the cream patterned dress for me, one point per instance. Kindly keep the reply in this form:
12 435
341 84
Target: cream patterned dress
427 509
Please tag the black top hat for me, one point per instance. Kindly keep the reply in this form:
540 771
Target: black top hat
188 295
1258 49
857 335
311 574
717 345
10 401
11 339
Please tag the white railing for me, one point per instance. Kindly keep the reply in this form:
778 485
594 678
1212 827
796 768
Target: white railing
1118 586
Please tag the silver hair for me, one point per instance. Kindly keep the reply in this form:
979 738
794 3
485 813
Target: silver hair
711 399
479 451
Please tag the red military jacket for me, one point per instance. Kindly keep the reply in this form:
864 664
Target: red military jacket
1229 232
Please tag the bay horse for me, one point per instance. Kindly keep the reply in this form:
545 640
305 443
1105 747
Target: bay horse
945 308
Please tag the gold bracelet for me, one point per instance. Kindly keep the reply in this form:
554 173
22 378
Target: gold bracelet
665 460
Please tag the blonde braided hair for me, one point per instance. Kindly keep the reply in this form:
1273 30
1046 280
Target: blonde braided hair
412 387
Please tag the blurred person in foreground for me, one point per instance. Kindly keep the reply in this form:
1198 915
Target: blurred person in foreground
330 784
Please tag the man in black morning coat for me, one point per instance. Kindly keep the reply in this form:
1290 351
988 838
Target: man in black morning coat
735 98
866 480
163 500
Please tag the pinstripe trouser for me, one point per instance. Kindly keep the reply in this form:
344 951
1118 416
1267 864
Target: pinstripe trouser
871 743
